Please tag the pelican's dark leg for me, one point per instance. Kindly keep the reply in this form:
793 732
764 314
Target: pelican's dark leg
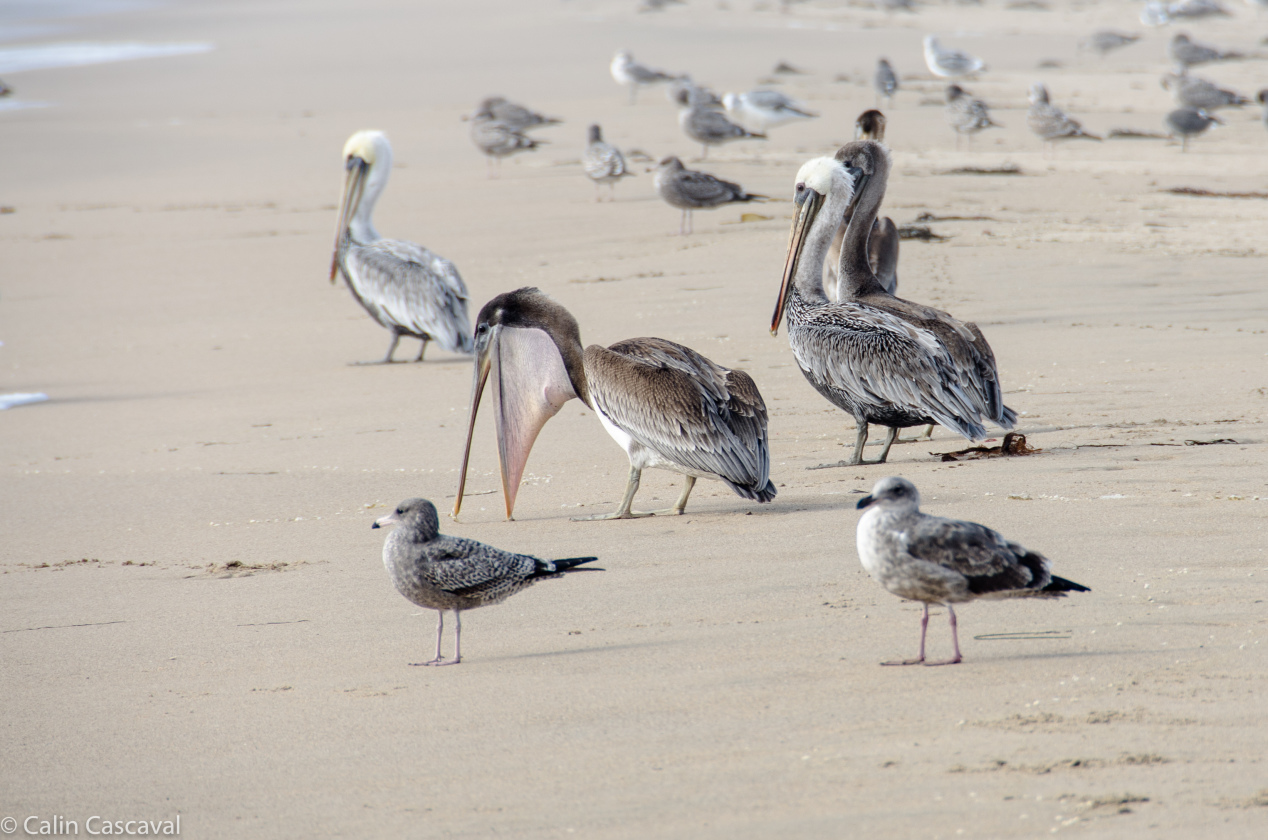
955 638
391 349
681 504
622 512
924 627
889 441
856 459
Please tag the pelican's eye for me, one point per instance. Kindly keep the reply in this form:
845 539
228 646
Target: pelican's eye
801 187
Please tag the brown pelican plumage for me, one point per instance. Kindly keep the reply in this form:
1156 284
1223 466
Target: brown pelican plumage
665 404
883 359
406 288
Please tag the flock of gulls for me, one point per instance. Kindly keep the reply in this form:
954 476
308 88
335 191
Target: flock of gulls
883 360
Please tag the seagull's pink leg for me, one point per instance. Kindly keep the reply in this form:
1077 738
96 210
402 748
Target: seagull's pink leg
924 627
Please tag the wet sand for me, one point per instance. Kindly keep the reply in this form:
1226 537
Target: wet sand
196 619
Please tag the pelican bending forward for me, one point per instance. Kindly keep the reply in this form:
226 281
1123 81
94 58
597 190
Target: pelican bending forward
406 288
883 359
665 404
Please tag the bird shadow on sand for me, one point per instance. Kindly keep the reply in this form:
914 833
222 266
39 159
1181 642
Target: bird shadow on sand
599 649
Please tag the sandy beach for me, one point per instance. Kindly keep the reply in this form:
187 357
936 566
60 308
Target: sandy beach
194 614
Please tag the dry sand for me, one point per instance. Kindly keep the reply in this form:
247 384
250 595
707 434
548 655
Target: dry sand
195 616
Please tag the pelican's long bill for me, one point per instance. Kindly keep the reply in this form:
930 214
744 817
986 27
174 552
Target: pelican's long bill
353 187
808 202
529 387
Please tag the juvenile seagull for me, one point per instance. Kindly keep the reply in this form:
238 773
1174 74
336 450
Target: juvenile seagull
709 127
511 114
1196 92
944 561
696 94
1104 41
948 63
603 162
885 81
406 288
1189 122
1049 122
870 126
689 189
966 115
442 573
626 71
761 110
498 140
1185 53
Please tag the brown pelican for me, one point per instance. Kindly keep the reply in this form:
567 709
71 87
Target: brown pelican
665 404
870 125
883 359
406 288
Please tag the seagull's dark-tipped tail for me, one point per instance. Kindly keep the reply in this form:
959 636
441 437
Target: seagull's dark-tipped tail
752 197
555 568
1058 586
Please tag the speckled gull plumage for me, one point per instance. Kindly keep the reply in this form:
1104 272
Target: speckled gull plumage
452 574
934 560
603 162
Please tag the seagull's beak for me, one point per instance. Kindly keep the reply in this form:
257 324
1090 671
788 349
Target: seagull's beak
353 186
809 202
392 518
864 502
529 385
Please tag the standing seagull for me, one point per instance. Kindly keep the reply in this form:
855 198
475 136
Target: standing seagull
498 140
696 94
1049 122
666 405
626 71
406 288
948 63
885 81
945 561
1190 122
1196 92
689 189
761 110
1104 41
512 114
1185 53
442 573
966 115
604 163
709 127
883 359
